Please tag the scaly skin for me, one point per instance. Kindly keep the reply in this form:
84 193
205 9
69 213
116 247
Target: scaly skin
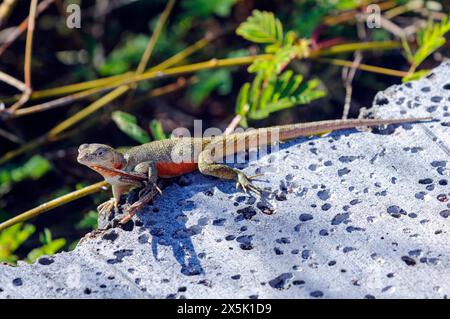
145 163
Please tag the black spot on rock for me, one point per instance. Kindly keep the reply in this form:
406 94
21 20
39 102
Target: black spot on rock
283 240
425 181
316 294
87 291
45 261
112 236
265 208
129 226
280 281
245 213
236 277
281 197
436 99
219 222
446 86
305 217
120 255
347 159
408 260
323 232
323 194
339 218
245 242
395 211
278 251
445 213
381 100
17 282
439 163
343 171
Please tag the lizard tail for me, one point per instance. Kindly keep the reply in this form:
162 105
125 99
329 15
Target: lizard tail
291 131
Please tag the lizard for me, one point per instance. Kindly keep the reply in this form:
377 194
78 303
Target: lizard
143 164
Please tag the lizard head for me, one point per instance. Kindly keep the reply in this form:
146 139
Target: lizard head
100 155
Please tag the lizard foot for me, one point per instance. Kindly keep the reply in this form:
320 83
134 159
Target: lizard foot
107 207
145 196
245 183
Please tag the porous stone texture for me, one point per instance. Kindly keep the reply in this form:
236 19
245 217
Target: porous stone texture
350 215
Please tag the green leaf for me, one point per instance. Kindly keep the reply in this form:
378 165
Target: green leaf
12 238
430 39
50 246
210 81
125 56
89 221
157 130
274 88
262 27
206 8
415 76
127 123
36 167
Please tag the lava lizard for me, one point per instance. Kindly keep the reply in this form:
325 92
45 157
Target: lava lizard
143 164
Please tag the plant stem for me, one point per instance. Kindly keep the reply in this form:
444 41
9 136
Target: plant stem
351 47
154 38
365 67
54 203
28 54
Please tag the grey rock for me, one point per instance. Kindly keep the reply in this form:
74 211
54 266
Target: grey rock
381 234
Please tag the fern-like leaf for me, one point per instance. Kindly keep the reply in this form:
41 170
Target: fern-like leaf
262 27
430 39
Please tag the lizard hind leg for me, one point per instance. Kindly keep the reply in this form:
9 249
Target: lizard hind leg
207 166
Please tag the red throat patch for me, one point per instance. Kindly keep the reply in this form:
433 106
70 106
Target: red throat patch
118 165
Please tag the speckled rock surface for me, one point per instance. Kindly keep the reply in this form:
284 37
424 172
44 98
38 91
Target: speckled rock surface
354 215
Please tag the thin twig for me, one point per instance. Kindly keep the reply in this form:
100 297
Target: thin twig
23 26
348 74
12 81
28 55
5 10
233 124
9 136
365 67
155 36
151 45
54 203
336 49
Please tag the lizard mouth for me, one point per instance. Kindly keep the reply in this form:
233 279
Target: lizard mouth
112 172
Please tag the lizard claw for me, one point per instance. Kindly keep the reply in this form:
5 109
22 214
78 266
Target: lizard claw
107 207
246 185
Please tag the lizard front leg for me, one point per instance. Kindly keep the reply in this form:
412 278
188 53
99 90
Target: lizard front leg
113 204
147 193
207 166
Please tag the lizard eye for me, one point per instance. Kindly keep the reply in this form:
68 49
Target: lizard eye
100 153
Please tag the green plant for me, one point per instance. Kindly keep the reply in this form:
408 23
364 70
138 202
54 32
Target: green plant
36 167
157 130
205 8
89 221
11 239
127 123
429 39
125 56
49 246
273 88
